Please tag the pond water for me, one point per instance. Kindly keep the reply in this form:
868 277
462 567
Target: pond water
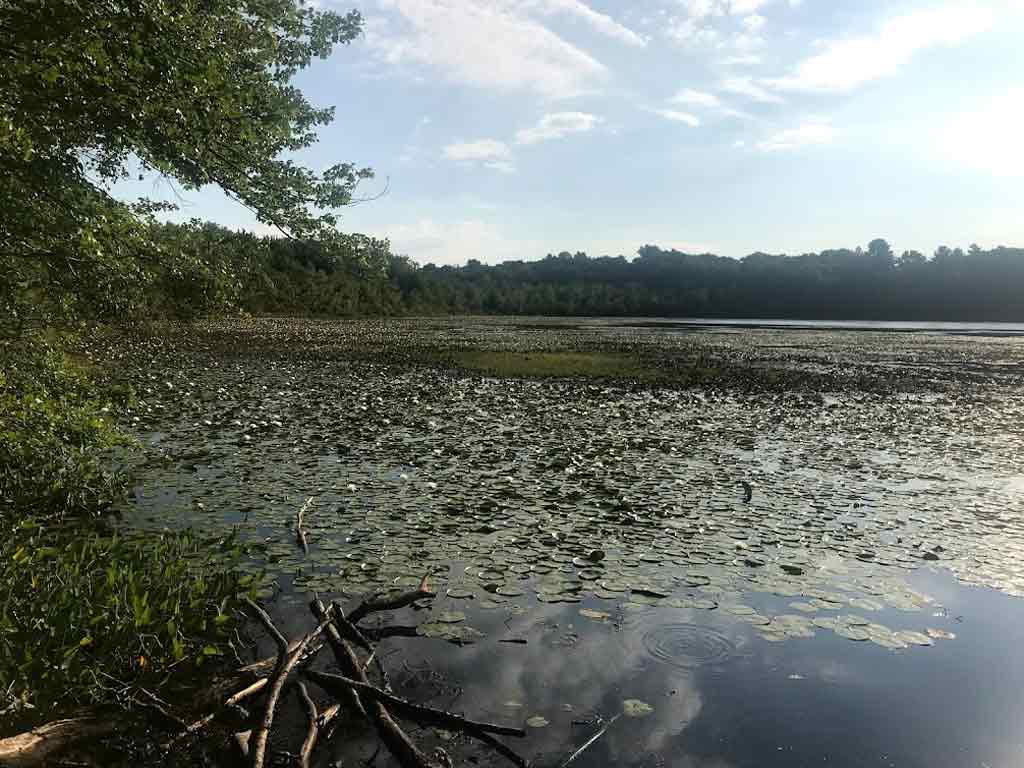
826 570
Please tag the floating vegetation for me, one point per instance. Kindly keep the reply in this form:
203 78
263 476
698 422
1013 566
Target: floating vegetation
453 633
636 708
537 721
517 491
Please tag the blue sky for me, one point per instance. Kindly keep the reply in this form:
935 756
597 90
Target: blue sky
507 129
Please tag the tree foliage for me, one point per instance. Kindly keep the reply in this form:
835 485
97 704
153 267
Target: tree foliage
198 90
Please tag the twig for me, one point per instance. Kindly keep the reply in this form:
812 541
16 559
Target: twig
418 713
356 635
395 739
589 741
285 662
161 706
342 652
204 721
375 605
300 534
309 743
242 742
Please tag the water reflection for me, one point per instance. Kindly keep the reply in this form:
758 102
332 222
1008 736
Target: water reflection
820 701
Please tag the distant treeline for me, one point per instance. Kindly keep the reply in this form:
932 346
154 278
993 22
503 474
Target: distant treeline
271 275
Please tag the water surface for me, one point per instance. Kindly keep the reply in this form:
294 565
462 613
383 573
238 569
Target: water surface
861 608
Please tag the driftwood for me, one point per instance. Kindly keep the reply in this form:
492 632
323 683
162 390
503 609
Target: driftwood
268 678
392 603
394 738
342 653
286 661
416 712
38 746
313 730
422 715
300 532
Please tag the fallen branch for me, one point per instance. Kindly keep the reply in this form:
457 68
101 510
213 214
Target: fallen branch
286 661
355 634
336 684
300 534
395 739
342 653
394 602
36 747
205 720
309 743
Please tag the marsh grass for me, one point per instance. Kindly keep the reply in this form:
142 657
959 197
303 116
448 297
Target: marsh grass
598 365
556 364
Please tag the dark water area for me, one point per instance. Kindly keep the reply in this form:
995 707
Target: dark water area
723 697
863 606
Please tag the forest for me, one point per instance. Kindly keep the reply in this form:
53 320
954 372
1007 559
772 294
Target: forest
362 277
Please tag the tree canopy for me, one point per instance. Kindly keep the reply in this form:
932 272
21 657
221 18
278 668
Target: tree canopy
92 91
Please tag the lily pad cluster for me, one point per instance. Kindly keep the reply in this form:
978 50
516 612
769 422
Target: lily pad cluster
512 490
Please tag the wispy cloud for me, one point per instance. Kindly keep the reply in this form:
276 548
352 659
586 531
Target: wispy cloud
746 86
678 117
846 64
696 98
810 132
481 149
483 44
556 126
600 22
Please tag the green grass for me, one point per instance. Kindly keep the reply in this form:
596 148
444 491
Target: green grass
556 364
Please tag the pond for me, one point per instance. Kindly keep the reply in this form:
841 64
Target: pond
812 557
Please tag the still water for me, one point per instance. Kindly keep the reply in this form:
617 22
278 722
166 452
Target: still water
862 607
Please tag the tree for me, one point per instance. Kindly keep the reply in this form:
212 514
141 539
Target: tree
912 259
880 253
197 90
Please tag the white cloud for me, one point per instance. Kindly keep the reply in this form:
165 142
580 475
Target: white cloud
811 132
745 86
702 9
455 242
699 9
601 22
678 117
988 138
556 126
743 7
753 23
690 31
697 98
482 149
846 64
482 44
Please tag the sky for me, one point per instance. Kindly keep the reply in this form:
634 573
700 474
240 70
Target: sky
508 129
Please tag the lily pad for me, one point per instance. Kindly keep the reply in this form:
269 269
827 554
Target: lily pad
636 708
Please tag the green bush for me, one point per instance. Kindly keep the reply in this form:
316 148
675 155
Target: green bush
87 614
53 431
